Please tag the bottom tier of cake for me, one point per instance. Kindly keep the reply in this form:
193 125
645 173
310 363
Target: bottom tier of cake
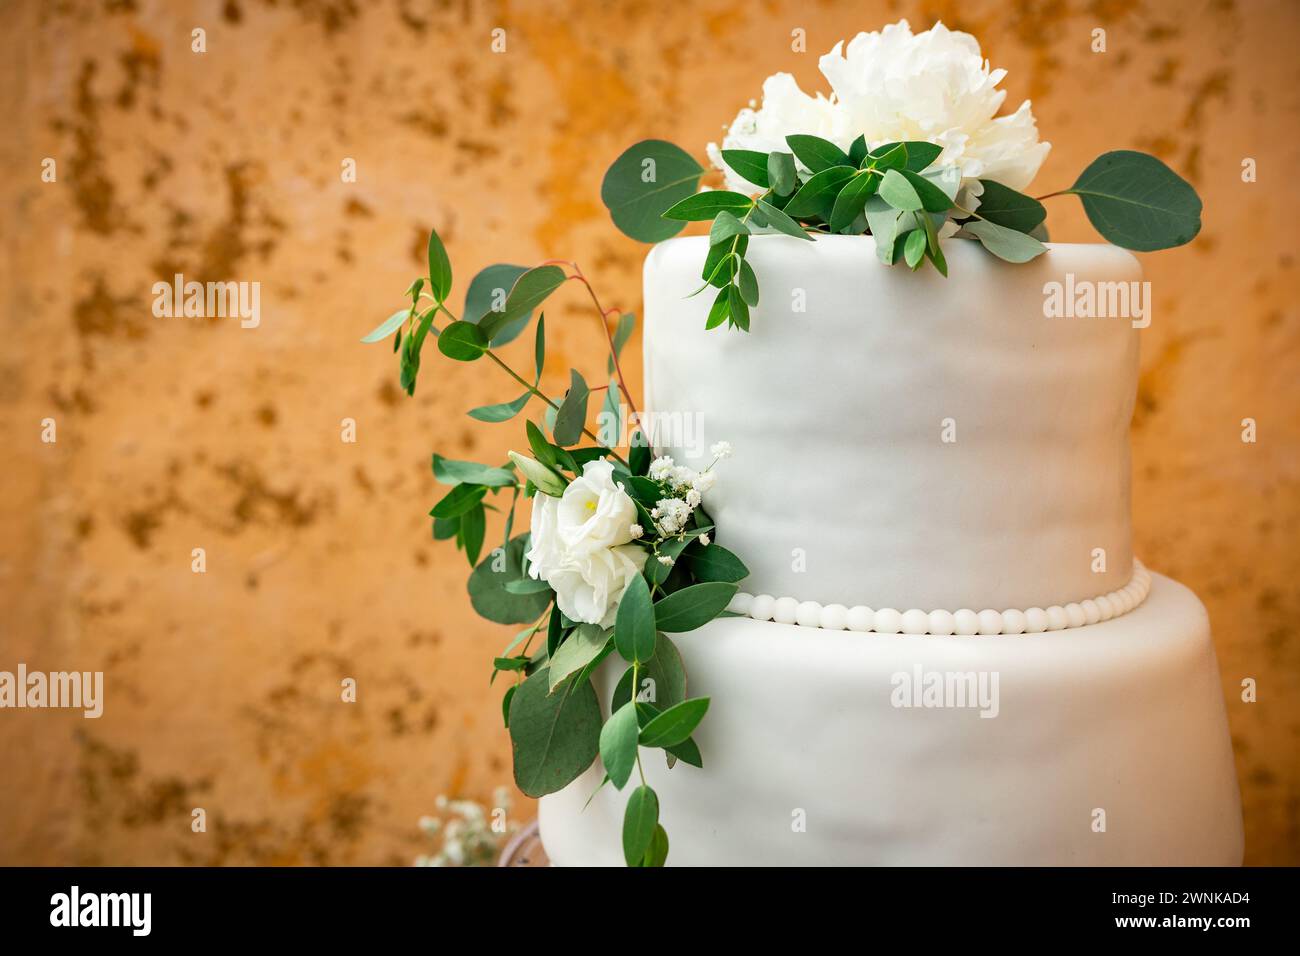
1100 745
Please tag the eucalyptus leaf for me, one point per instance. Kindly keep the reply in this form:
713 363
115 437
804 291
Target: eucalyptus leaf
675 724
388 326
487 294
781 221
639 822
706 205
648 178
501 412
720 311
451 472
458 501
439 268
473 527
622 332
933 199
1137 202
737 308
487 587
634 624
816 197
572 414
914 248
715 563
1005 243
577 651
693 606
816 153
919 153
858 151
726 225
618 744
529 291
781 173
656 855
749 163
747 282
899 192
463 341
852 199
555 736
1004 206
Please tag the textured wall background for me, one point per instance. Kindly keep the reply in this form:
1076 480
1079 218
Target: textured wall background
223 688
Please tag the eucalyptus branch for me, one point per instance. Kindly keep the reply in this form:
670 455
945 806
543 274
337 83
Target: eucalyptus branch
609 338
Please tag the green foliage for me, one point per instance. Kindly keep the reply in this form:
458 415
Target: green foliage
555 735
1136 201
643 182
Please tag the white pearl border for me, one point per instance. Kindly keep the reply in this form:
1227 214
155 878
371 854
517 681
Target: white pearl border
1035 620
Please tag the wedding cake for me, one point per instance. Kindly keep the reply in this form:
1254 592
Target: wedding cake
931 489
946 651
855 582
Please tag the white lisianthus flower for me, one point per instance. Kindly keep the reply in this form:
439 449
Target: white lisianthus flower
897 85
579 545
589 588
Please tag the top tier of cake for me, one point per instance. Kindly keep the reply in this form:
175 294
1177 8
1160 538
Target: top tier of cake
901 439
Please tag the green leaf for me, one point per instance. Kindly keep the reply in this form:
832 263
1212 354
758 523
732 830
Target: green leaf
932 249
657 853
502 412
609 427
458 501
388 326
618 744
572 414
1136 201
444 528
897 190
725 226
451 472
539 347
737 308
473 527
643 182
720 311
720 263
547 481
933 199
578 650
639 822
463 341
1005 243
509 663
693 606
666 674
623 332
1006 207
529 291
858 151
675 724
851 200
889 157
781 173
706 205
816 153
748 283
883 220
914 248
816 197
715 563
634 624
687 750
487 295
749 163
527 586
439 268
781 222
919 154
555 736
505 704
487 587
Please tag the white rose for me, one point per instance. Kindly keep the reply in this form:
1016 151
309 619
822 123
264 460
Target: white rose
589 588
896 85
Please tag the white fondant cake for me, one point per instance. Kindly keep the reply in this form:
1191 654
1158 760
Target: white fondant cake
1118 725
915 455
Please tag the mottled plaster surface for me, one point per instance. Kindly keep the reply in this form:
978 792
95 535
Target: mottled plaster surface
180 433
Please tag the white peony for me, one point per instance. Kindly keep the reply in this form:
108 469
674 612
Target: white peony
896 85
579 545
